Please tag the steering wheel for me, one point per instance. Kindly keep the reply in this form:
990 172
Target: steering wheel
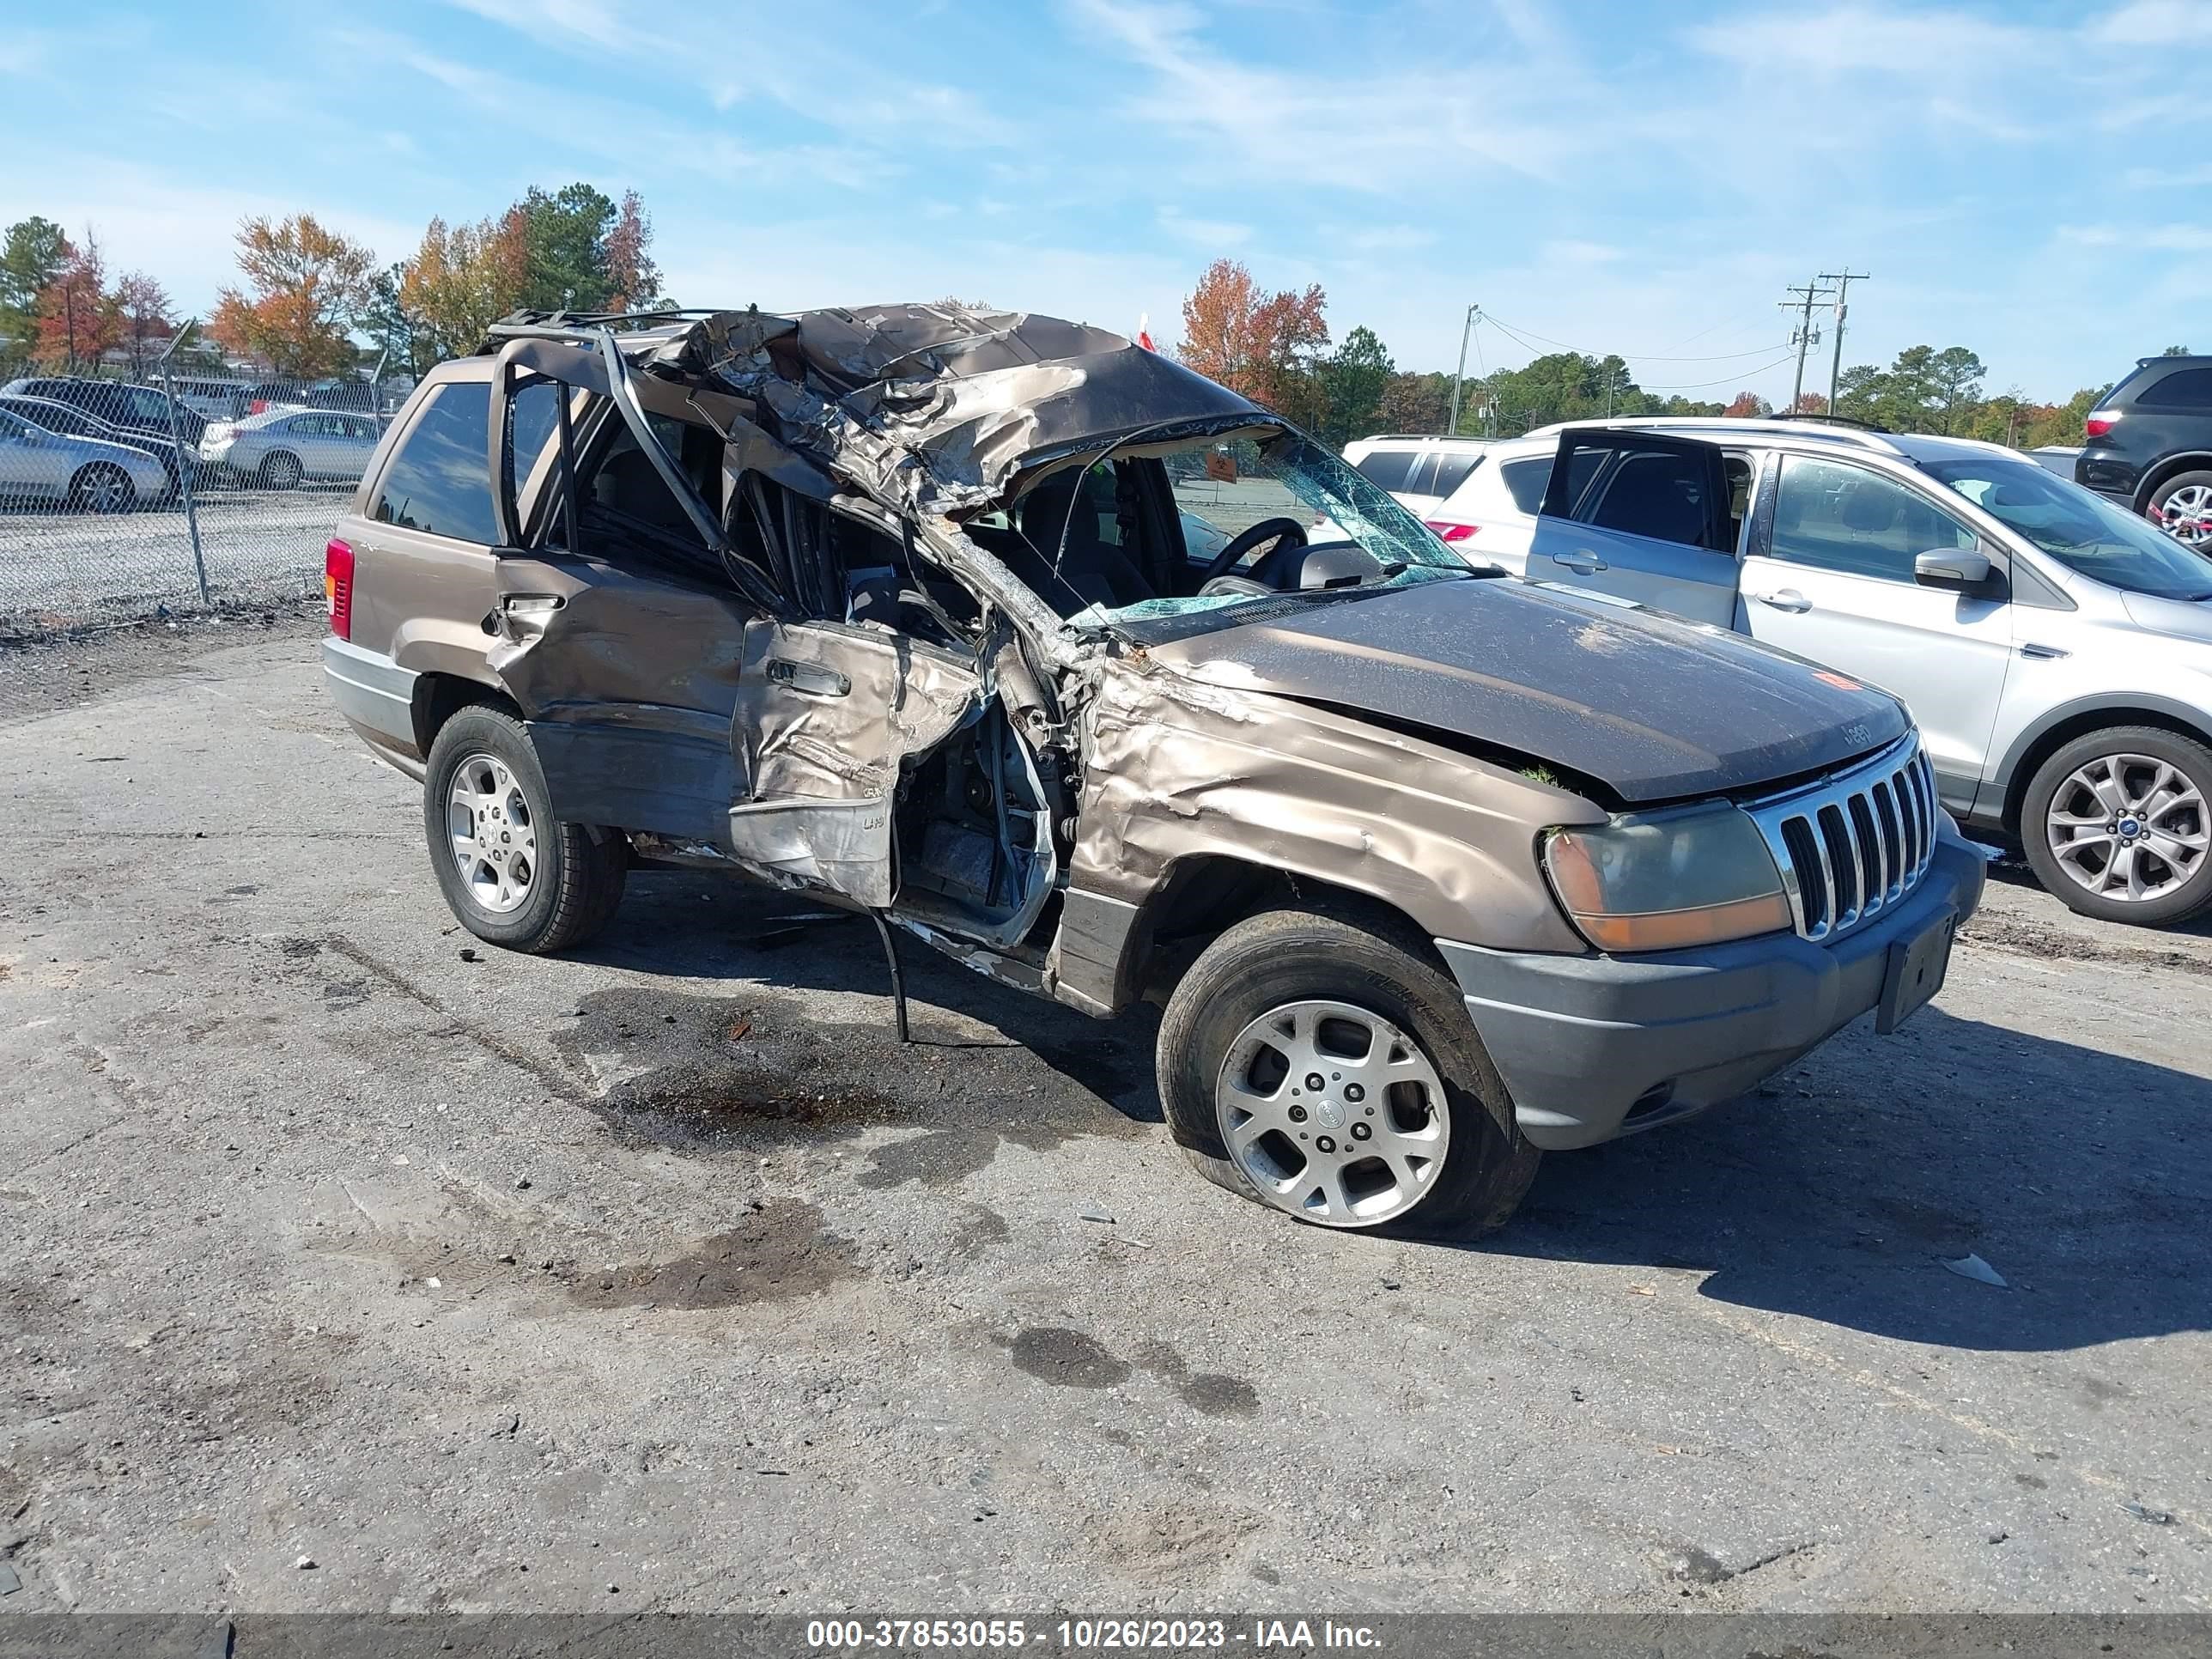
1267 530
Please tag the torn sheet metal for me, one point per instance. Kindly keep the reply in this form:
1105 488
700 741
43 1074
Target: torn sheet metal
826 716
1176 769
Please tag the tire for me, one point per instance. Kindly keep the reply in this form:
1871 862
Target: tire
281 470
2181 506
542 885
2156 781
102 487
1262 969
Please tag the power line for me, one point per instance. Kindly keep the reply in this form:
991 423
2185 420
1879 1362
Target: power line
1736 379
1635 356
1734 376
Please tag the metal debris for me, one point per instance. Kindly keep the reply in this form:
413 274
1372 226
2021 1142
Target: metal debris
1972 1266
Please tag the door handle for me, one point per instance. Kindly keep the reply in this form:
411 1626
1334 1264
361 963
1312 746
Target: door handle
2044 653
810 677
1583 564
1788 599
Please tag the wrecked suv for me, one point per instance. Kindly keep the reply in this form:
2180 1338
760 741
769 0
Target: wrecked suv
1114 686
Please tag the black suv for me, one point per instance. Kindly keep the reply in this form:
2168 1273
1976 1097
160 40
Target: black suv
2149 446
134 408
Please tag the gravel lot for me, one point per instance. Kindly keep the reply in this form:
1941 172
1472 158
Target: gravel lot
63 568
661 1277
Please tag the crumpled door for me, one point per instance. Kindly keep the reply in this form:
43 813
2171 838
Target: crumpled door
827 714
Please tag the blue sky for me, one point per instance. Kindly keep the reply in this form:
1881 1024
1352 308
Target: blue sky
2030 181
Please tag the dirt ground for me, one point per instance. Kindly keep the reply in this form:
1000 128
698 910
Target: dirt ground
659 1276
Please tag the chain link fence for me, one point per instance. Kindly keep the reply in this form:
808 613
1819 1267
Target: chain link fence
122 495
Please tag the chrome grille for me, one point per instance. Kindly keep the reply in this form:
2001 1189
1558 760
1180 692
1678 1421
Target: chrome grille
1852 845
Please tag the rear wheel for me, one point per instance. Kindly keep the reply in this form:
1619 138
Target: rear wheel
102 487
281 471
2115 824
1328 1069
512 874
2181 506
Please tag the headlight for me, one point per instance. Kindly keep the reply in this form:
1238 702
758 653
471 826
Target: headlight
1662 883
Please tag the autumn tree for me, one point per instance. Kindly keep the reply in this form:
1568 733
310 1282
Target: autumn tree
1264 347
1748 406
1810 403
1415 402
464 279
145 318
76 316
307 287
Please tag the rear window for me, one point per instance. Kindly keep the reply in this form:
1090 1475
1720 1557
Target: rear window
1525 482
1387 469
439 480
2185 388
1453 470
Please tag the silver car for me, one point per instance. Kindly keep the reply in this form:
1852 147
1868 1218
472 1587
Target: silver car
283 448
86 475
2056 649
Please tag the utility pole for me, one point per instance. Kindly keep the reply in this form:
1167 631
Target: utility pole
1804 334
1467 328
1843 279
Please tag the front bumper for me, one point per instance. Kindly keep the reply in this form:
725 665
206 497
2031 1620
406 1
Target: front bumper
1594 1046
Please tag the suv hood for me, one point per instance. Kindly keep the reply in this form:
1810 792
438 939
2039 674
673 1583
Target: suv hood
1654 708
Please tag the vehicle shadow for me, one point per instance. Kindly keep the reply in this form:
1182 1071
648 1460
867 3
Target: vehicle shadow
1838 1191
1835 1193
2015 873
711 928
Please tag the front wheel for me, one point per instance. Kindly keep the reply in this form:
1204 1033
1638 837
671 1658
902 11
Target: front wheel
281 471
102 488
1328 1070
513 875
2115 824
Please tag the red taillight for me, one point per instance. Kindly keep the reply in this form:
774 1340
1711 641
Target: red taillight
2098 424
337 586
1448 531
259 406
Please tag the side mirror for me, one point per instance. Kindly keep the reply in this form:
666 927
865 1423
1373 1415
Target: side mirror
1961 570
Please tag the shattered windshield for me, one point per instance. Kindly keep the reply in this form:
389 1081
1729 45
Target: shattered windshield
1229 485
2080 529
1254 514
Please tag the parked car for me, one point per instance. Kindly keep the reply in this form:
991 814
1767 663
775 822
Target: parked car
75 423
120 402
84 475
213 400
283 448
1492 515
2149 446
2056 649
1419 469
1432 869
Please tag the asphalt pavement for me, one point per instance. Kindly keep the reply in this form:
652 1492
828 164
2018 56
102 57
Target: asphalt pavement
658 1276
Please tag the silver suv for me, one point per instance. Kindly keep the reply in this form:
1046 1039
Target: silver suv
2056 649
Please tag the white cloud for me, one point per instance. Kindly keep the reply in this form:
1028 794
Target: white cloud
1210 235
2157 23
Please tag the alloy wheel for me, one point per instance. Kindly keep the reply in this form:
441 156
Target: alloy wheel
493 834
2128 828
2185 515
1333 1112
103 489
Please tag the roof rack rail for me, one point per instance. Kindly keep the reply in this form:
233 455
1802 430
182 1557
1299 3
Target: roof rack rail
1425 437
1832 420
